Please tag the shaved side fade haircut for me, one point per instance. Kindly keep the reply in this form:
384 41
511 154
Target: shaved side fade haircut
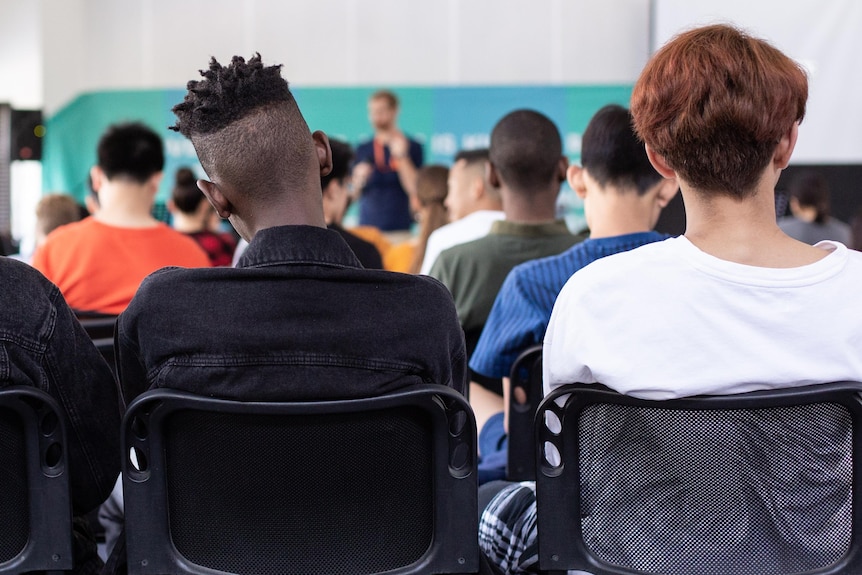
245 125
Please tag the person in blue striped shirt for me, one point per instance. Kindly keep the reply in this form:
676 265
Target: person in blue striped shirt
623 197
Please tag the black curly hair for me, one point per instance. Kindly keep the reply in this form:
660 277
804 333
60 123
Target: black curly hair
227 93
245 125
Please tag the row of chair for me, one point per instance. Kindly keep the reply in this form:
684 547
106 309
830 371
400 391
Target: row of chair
731 485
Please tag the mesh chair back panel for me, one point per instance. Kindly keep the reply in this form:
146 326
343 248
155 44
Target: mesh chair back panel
658 484
14 493
213 460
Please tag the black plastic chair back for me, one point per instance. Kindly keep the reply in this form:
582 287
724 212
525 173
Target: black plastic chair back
355 487
35 502
101 328
759 483
526 376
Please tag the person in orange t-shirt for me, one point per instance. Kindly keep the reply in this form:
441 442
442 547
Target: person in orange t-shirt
99 262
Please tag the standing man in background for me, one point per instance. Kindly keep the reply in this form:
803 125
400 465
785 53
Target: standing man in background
385 171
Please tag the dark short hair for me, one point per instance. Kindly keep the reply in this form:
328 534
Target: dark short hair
526 149
479 155
715 102
132 151
342 156
612 153
186 195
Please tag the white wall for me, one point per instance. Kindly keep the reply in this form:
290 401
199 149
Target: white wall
20 54
103 44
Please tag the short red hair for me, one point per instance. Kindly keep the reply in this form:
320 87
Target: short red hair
714 102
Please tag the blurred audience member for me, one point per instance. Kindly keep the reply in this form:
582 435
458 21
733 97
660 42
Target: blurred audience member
194 216
99 262
336 199
472 203
527 165
810 206
53 211
623 197
428 205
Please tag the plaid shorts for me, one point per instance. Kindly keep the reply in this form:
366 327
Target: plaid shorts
507 529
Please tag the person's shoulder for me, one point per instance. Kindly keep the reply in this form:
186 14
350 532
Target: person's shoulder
631 265
22 278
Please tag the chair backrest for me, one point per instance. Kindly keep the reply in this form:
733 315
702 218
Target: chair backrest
100 328
35 501
385 484
525 382
764 482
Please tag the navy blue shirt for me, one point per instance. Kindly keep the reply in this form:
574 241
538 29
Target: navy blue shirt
384 203
298 319
522 310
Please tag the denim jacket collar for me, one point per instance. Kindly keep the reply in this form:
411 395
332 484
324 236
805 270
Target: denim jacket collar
297 245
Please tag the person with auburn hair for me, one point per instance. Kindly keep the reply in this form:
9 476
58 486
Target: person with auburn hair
734 305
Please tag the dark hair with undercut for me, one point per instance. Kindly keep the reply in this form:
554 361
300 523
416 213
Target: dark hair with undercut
388 95
612 153
475 160
715 102
526 149
812 190
186 195
245 125
130 151
479 155
342 156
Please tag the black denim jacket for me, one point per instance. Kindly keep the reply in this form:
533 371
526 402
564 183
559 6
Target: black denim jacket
298 319
42 345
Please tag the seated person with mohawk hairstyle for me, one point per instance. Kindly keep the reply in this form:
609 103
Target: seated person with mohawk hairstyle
299 318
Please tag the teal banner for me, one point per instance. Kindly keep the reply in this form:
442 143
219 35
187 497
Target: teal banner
445 120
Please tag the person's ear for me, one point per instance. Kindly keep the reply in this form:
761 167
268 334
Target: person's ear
97 178
659 163
219 201
324 152
477 189
171 206
562 167
781 156
154 181
575 177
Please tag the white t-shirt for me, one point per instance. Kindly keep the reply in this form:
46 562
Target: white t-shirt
470 227
667 320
